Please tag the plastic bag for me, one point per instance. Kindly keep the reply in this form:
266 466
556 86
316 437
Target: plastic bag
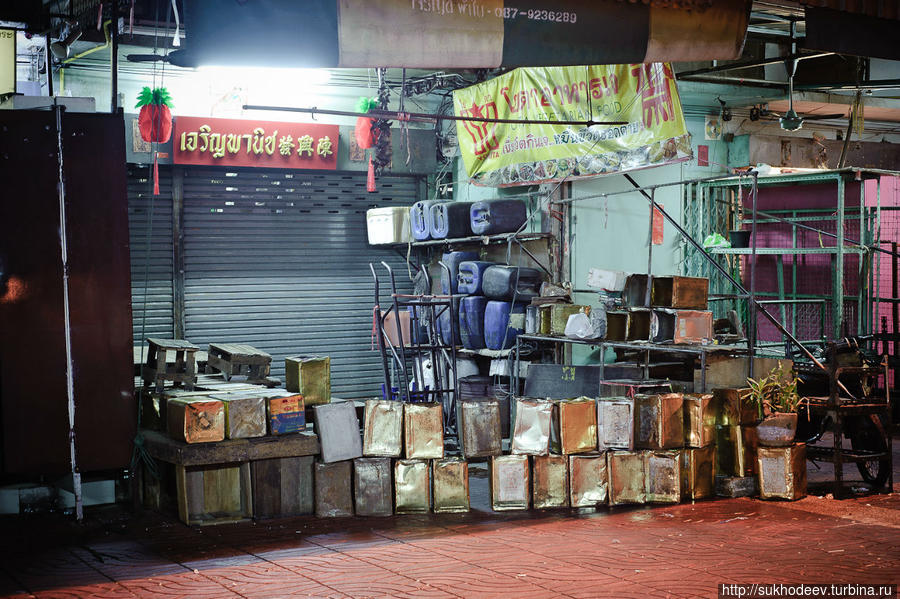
579 327
715 241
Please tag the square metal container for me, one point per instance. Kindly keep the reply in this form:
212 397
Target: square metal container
196 419
782 472
309 376
588 480
659 421
663 472
510 483
734 457
615 423
531 433
338 430
412 486
334 494
732 407
450 478
640 321
383 428
699 420
286 414
559 316
550 481
617 325
423 431
245 417
686 293
631 388
698 467
681 326
479 428
627 479
373 490
574 426
737 486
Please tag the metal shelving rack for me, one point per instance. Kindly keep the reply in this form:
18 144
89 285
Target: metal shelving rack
723 210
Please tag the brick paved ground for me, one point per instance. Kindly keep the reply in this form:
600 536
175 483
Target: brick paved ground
668 551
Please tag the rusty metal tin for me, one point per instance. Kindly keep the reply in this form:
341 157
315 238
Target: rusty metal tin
479 428
750 437
615 423
412 486
196 419
732 457
559 316
334 494
550 481
423 431
617 325
450 478
510 483
338 430
688 293
698 467
663 472
782 472
531 434
245 417
732 407
588 480
659 421
699 420
737 486
544 320
383 428
574 426
627 479
373 491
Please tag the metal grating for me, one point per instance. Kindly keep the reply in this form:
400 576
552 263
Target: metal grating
151 272
280 260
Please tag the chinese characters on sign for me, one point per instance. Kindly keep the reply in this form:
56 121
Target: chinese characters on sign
231 142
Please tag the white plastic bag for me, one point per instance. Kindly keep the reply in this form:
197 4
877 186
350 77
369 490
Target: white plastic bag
579 327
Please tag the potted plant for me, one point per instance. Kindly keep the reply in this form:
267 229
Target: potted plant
775 395
155 117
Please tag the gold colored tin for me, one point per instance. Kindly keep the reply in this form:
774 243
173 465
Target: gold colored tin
750 437
531 435
550 480
383 429
732 457
588 480
423 429
574 426
510 483
615 423
479 428
411 486
451 485
659 421
627 480
372 487
245 416
663 472
733 408
698 467
559 316
545 319
782 472
699 420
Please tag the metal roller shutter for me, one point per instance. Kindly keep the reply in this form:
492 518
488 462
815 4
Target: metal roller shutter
151 272
280 260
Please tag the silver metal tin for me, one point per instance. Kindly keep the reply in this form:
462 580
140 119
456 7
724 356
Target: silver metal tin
372 486
531 434
383 428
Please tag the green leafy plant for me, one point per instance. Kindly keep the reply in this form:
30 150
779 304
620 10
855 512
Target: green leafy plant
158 96
366 104
775 393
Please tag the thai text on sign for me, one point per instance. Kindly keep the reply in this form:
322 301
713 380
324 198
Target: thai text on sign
233 142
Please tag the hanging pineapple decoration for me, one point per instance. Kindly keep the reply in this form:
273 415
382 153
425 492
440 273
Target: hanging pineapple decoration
155 121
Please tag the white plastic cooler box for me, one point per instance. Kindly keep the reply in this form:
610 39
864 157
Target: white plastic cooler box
388 225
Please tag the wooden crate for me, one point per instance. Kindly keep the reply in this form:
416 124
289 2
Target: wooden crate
282 487
214 494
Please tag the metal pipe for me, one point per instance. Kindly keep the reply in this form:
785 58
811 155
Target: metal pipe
114 60
422 117
751 338
749 64
48 65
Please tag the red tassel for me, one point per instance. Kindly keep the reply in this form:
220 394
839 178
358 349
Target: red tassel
370 179
155 176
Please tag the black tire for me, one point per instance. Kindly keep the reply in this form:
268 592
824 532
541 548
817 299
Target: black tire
867 433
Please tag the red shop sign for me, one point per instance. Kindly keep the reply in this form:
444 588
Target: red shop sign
269 144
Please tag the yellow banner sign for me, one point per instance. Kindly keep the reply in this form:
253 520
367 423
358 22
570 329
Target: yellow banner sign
642 96
7 61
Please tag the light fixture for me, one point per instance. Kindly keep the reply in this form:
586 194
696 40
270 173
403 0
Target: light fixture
60 49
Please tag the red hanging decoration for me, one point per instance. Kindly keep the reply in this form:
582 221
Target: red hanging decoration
370 177
155 117
155 174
